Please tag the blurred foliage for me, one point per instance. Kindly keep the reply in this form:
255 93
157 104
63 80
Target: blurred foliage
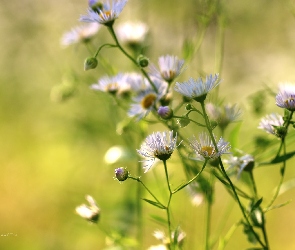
52 152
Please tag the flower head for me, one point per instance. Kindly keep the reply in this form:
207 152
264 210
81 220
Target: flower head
223 115
157 145
80 34
286 96
165 112
146 99
90 213
132 33
273 124
243 163
197 89
170 68
205 149
110 84
104 12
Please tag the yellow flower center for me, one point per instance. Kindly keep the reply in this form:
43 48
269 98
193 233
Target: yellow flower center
105 14
148 101
207 150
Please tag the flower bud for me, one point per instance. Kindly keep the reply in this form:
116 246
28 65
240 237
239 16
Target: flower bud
143 61
183 122
188 106
280 131
122 174
90 63
165 112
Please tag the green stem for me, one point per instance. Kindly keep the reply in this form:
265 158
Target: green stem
138 180
111 30
227 178
139 208
208 218
168 206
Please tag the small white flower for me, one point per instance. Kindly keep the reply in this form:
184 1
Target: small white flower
197 89
145 101
90 213
106 13
133 33
223 115
110 84
270 122
80 34
204 148
245 162
170 68
158 145
286 96
196 194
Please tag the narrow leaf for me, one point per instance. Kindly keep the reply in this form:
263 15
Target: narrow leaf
257 204
154 203
159 219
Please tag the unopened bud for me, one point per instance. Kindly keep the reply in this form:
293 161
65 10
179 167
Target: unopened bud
165 112
122 174
90 63
280 131
188 106
143 61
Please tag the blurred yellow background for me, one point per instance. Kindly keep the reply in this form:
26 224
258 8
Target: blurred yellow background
51 154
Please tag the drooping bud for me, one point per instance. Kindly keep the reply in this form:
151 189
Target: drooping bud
122 174
91 212
143 61
165 112
90 63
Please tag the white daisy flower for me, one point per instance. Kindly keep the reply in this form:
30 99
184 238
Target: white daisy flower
204 148
132 33
243 163
90 213
272 124
223 115
104 12
197 89
80 34
110 84
286 96
146 99
170 68
158 145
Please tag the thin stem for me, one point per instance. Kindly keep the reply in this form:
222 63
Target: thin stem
111 30
253 184
139 208
208 218
138 180
227 178
168 206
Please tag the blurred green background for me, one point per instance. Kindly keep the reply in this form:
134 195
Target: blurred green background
51 154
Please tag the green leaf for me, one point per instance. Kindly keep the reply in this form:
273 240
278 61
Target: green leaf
278 206
256 204
156 204
159 219
279 159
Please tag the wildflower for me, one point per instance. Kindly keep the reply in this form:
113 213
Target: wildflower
122 174
110 84
157 145
104 12
132 33
146 99
90 213
273 124
243 163
165 112
205 149
286 97
178 233
197 89
170 68
80 34
223 115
